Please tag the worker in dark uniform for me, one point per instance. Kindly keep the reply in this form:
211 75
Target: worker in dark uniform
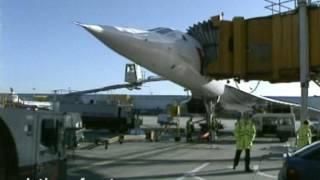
189 130
121 134
244 133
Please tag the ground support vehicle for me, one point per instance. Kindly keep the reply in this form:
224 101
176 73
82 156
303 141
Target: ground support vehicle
281 125
32 144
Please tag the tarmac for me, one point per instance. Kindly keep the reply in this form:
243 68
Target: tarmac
139 159
166 160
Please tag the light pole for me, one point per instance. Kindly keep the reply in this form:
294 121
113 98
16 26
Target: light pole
303 57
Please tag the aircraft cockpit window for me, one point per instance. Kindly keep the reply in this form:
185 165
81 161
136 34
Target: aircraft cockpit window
161 30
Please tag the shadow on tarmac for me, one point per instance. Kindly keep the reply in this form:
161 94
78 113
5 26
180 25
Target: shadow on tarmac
144 162
171 146
256 141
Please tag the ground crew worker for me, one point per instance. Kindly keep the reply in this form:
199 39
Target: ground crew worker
189 129
304 135
245 133
121 134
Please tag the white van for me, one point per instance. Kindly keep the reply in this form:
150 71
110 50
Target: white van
281 125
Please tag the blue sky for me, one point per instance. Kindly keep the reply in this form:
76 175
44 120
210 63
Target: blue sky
42 50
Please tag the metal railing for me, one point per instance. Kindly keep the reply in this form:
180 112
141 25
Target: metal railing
280 6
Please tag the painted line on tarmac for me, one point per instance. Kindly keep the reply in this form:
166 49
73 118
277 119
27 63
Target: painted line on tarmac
199 168
199 178
267 175
256 168
193 172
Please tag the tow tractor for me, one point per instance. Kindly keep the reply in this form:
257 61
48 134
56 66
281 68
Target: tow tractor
32 142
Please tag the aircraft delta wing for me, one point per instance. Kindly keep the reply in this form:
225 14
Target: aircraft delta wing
234 98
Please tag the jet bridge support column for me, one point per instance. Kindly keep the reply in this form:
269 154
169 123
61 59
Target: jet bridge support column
304 57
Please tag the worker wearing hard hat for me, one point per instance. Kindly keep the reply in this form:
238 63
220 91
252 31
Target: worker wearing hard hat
304 135
245 133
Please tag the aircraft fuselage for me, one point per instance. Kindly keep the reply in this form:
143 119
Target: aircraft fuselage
169 53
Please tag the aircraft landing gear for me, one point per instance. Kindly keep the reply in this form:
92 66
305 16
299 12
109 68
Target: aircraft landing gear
210 117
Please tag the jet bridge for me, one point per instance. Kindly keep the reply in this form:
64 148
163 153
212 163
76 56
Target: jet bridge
261 48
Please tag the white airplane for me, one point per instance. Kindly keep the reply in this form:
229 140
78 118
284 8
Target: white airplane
15 99
176 56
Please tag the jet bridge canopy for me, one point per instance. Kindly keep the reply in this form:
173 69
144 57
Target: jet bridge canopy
262 48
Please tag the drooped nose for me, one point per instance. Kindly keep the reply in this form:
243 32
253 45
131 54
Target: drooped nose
125 41
108 35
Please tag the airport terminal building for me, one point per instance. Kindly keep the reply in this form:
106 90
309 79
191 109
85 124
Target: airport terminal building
146 104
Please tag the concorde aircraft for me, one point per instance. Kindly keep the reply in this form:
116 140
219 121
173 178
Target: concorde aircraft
176 56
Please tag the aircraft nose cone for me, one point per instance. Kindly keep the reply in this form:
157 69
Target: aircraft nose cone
91 28
106 34
119 39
